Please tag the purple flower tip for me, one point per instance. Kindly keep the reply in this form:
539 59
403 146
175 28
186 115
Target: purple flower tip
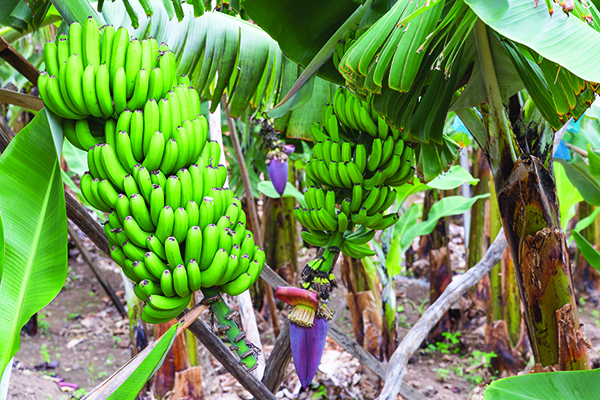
289 149
278 173
307 349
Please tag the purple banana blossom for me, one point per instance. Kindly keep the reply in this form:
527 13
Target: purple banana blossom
289 149
278 173
307 331
307 349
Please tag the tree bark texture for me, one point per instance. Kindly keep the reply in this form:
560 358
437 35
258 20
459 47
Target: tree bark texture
440 273
479 233
529 208
511 310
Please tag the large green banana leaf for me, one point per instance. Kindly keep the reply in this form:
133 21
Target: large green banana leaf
33 210
563 39
563 385
302 28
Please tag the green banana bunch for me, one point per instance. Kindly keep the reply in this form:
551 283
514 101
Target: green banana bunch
172 226
356 161
93 72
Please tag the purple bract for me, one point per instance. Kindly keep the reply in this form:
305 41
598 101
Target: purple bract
307 349
278 173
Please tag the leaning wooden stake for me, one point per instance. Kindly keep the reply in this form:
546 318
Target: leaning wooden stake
457 288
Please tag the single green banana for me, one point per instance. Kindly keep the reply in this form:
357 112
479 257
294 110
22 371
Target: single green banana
155 152
216 269
181 225
194 275
185 180
197 183
84 135
164 111
140 94
116 253
91 43
183 144
74 83
164 226
168 303
119 90
133 252
75 38
173 192
144 182
155 245
51 58
154 264
166 283
135 233
158 178
120 44
133 62
209 247
157 203
151 123
107 36
193 212
125 151
193 244
114 219
180 281
167 165
103 90
207 213
141 213
173 252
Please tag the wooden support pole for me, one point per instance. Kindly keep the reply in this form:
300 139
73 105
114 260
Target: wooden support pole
20 99
18 62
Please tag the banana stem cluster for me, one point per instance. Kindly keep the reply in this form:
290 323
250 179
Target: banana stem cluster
172 225
356 161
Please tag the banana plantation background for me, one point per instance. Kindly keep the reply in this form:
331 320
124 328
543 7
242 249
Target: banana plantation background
275 199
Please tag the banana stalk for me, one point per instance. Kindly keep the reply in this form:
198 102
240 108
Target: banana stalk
227 325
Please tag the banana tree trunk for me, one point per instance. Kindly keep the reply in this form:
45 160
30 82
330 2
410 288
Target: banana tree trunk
511 312
587 277
440 273
528 206
478 234
495 275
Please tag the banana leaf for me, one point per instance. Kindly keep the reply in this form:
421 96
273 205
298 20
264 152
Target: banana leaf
302 28
560 38
564 385
33 206
579 175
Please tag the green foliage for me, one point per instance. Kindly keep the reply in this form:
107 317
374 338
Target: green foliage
571 385
568 195
36 245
